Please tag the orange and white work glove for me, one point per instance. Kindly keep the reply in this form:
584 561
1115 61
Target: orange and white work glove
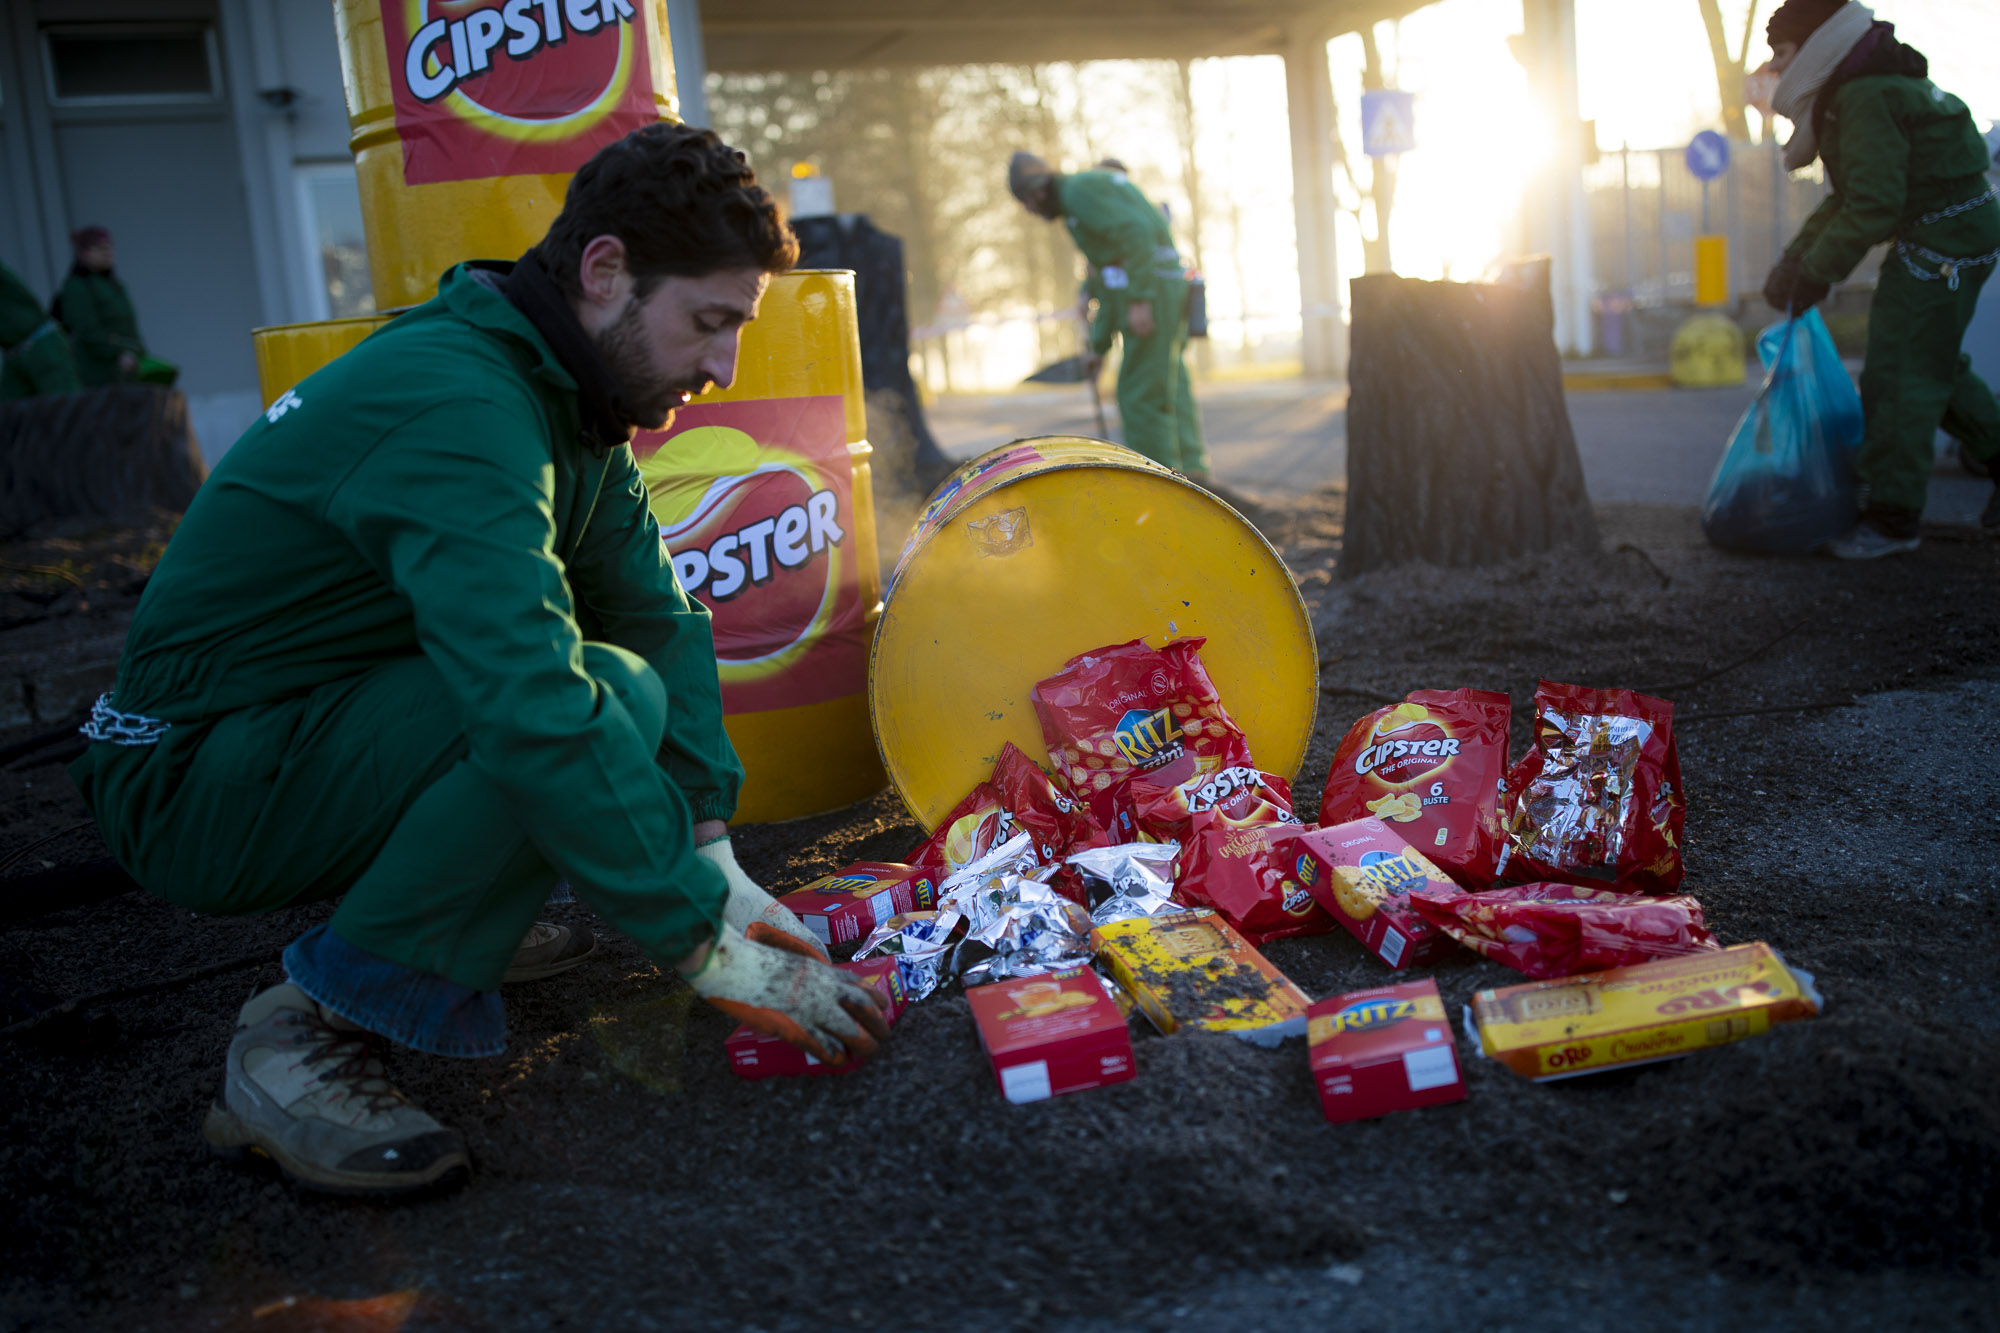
749 904
768 981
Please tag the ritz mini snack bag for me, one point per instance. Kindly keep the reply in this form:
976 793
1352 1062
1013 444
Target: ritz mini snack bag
1599 798
1434 767
1127 709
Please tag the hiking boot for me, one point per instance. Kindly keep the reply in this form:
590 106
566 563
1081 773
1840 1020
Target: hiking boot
548 949
305 1088
1864 541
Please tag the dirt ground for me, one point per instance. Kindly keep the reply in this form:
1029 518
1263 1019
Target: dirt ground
1830 1174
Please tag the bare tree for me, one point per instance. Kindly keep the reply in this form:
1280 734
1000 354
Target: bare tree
1730 70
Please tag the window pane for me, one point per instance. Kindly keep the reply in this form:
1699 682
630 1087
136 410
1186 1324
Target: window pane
335 200
127 62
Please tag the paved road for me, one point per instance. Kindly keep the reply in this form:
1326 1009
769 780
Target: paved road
1279 436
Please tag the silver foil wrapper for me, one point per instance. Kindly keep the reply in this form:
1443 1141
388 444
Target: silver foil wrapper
1027 929
921 944
1575 812
1129 880
1016 857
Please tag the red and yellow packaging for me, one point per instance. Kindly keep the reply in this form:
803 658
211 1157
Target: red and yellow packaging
1019 797
1364 875
852 901
1599 799
1126 709
1635 1015
1051 1034
1434 766
1191 969
1256 877
1382 1050
753 1055
1558 930
1165 804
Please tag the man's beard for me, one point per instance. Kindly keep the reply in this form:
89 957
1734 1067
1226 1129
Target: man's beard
650 398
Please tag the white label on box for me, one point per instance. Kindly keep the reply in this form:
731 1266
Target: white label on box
1430 1067
1026 1083
1392 946
817 925
882 906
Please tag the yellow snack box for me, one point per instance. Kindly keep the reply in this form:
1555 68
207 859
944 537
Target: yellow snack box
1636 1015
1191 969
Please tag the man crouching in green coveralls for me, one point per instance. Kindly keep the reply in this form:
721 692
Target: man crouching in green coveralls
1144 290
1906 165
417 646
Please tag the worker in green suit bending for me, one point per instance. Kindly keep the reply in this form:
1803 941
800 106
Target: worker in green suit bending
1125 240
34 354
417 646
1906 165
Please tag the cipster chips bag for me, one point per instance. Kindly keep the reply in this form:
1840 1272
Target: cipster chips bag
1019 797
1599 799
1434 768
1559 930
1126 709
975 826
1164 805
1256 877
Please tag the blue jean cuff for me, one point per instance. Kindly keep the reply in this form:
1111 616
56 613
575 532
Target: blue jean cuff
415 1009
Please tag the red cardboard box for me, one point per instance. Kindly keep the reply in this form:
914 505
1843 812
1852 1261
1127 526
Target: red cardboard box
752 1054
849 903
1050 1034
1382 1050
1363 874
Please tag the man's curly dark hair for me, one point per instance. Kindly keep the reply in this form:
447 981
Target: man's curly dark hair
684 203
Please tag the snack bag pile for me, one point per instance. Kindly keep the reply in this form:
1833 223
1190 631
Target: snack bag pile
1018 798
1557 930
1598 800
1434 768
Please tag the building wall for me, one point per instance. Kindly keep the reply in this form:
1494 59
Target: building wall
210 197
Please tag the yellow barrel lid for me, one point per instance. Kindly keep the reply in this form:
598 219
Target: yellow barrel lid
1050 547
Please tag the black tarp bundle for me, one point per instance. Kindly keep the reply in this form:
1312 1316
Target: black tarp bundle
1459 447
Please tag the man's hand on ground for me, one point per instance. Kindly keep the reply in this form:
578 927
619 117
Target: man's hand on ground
749 904
1139 319
782 991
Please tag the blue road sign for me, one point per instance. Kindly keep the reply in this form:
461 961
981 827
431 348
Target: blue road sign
1708 155
1388 122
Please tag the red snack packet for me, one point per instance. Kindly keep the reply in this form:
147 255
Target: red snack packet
1599 799
1162 805
1559 930
1253 877
1434 768
1127 709
975 826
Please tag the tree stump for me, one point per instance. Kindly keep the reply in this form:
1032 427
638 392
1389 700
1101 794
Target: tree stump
117 453
1459 447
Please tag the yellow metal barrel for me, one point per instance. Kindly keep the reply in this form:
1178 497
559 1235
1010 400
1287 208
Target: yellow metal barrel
287 353
468 120
1050 547
763 495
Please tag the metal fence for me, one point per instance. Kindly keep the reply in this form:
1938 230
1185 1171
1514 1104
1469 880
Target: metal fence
1646 208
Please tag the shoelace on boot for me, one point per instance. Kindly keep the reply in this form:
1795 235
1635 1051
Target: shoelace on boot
358 1063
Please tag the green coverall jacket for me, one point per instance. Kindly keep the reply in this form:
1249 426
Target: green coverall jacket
428 497
34 355
97 311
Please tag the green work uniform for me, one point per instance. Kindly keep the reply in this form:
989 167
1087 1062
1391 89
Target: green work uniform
1107 317
1126 240
1902 155
97 311
34 354
417 642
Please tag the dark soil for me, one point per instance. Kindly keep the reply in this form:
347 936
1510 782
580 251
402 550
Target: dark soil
625 1179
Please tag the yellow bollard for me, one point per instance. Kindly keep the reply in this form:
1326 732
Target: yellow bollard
1711 270
1048 548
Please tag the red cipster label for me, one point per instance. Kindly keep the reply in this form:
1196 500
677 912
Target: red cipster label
1253 876
1598 800
1434 768
1161 805
1559 930
1126 709
526 87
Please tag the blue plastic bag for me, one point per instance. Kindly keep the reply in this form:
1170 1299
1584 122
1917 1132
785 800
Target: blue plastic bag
1786 482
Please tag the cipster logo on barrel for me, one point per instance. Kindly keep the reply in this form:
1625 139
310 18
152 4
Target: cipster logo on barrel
528 87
